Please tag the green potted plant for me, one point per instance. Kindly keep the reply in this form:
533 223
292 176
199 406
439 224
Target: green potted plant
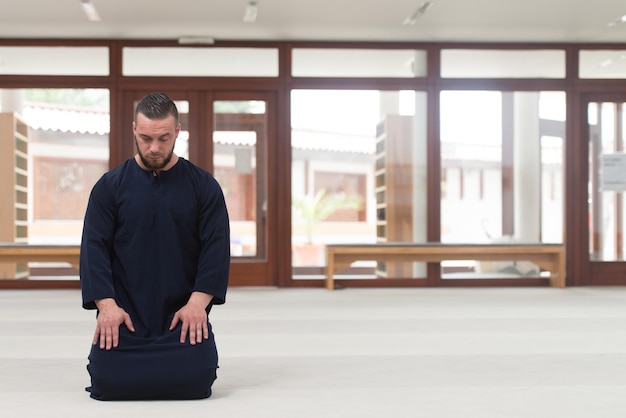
313 209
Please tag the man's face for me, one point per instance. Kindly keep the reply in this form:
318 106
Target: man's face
155 140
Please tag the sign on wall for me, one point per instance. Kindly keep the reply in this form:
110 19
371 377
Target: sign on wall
613 172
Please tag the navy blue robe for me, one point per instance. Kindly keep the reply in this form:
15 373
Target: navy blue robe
149 241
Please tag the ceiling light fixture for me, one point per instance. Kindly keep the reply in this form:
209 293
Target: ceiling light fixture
251 11
619 21
419 12
196 40
90 10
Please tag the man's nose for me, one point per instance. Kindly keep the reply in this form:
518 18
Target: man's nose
154 146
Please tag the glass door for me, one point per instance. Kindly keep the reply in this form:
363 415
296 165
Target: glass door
606 184
228 135
241 132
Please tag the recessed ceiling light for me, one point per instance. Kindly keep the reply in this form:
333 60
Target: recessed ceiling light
251 11
90 10
419 12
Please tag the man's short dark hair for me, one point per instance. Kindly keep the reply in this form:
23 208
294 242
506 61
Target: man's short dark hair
156 106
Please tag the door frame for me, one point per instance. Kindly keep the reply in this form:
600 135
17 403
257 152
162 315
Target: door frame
582 270
244 271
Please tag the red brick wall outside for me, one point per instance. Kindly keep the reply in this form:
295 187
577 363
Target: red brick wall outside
239 191
62 186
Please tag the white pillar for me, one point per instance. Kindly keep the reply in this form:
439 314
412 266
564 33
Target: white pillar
527 167
419 167
389 103
12 100
420 195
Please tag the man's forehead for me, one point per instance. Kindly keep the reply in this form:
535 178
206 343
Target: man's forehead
146 123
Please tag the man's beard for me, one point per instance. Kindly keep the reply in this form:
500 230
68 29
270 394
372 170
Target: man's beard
154 165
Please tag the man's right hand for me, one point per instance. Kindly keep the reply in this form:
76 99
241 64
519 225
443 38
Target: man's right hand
110 318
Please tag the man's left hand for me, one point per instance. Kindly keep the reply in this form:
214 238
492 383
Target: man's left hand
193 317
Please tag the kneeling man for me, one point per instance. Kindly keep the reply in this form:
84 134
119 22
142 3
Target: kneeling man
154 259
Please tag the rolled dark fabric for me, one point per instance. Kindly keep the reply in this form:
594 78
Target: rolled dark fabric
163 369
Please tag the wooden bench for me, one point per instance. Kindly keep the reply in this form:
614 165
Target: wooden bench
24 253
549 257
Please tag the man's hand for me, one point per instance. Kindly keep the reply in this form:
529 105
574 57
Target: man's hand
110 318
193 317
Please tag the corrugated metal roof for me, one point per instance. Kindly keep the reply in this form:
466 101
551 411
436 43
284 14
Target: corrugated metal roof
61 119
67 119
331 141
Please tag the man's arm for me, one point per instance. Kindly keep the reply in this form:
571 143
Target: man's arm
211 278
96 279
214 232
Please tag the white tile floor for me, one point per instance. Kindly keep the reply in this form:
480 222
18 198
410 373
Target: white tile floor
297 353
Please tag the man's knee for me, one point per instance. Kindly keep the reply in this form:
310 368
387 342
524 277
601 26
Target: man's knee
133 386
185 372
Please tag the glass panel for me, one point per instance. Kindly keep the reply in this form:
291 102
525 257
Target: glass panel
474 63
602 64
200 62
54 60
607 182
239 139
312 62
358 176
61 148
181 148
502 173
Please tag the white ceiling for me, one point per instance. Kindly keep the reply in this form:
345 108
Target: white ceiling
367 20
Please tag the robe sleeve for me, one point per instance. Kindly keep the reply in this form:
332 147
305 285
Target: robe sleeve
214 256
96 277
